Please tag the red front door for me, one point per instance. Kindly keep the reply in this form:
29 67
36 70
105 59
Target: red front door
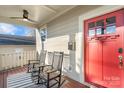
104 47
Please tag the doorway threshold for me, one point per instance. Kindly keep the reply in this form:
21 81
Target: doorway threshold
93 85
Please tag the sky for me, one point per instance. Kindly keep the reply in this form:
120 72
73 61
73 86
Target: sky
15 30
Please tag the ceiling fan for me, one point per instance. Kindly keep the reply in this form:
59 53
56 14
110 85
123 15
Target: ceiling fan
25 17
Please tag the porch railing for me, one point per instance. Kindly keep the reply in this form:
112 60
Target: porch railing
11 60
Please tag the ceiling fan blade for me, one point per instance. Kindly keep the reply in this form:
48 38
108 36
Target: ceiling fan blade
32 21
16 17
25 18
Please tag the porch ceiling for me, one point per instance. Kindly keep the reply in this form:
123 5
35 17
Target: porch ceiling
40 13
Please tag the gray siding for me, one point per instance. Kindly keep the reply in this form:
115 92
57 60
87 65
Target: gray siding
68 24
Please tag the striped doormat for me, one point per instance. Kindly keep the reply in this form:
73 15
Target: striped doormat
22 80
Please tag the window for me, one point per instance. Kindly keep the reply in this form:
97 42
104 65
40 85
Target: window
91 29
111 20
100 27
110 29
91 32
91 25
110 25
100 31
100 23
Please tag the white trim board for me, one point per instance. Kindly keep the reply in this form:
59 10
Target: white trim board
91 14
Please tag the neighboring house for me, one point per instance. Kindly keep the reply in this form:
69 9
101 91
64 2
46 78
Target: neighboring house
16 40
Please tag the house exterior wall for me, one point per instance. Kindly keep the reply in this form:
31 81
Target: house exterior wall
68 25
71 25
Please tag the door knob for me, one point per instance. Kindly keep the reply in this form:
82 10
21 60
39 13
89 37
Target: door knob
120 61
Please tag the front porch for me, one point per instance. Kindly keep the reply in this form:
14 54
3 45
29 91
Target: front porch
61 28
24 82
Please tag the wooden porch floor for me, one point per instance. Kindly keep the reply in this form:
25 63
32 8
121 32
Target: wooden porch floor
4 74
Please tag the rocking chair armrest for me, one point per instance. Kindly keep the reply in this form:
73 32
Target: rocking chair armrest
44 66
34 64
51 71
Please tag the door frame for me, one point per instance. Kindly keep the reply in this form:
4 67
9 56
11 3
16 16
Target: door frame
91 14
